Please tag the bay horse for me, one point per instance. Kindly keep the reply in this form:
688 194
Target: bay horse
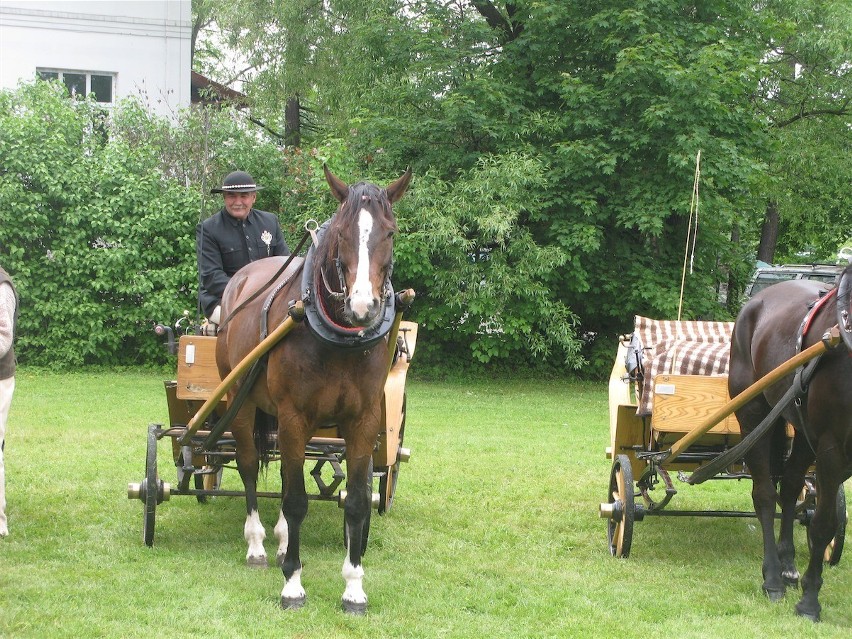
772 327
310 382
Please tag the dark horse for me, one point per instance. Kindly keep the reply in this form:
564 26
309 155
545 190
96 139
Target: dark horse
311 383
767 333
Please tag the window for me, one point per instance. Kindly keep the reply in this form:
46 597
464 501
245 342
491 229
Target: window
83 83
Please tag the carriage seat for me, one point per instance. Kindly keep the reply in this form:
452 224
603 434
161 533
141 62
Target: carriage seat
680 348
684 376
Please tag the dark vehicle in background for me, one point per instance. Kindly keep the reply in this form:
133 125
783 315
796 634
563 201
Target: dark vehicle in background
769 275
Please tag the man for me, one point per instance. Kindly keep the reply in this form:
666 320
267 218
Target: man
8 319
230 239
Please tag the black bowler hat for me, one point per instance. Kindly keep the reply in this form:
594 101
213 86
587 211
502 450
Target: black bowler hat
238 182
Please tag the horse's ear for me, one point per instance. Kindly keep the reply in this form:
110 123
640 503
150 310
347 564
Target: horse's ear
338 187
397 189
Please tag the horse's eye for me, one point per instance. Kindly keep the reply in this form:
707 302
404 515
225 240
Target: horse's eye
390 234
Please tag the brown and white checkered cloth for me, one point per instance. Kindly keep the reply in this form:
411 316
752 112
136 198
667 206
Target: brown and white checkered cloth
681 348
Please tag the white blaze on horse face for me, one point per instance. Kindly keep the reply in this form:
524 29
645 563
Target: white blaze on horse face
255 534
361 300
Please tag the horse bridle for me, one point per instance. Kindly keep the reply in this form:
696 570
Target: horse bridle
311 227
317 314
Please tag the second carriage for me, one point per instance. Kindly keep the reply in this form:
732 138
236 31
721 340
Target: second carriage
671 414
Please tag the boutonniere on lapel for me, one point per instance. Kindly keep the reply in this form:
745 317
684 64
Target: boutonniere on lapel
266 236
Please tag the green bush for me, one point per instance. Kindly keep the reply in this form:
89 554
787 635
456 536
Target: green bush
98 213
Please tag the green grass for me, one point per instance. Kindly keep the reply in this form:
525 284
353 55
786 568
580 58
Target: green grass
494 532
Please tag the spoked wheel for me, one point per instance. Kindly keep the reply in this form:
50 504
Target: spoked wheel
620 524
834 550
150 488
390 474
369 512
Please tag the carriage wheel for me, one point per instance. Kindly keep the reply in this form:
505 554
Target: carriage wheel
835 548
369 512
150 488
387 481
620 525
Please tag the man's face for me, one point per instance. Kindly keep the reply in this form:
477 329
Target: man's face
239 204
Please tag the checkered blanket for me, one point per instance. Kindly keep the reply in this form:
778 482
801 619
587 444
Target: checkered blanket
680 348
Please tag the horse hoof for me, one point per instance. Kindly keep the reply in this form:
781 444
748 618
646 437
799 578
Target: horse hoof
354 607
256 562
293 603
807 614
774 594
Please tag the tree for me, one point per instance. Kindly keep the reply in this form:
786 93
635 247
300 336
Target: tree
555 145
805 93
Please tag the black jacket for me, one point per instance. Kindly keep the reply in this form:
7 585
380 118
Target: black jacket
224 245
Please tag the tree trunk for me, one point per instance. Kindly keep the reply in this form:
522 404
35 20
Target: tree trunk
292 122
769 233
735 286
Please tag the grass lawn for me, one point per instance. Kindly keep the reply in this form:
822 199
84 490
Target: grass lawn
494 532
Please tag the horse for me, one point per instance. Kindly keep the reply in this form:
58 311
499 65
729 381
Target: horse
309 381
772 327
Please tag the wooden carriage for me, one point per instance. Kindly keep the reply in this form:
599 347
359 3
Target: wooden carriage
668 393
200 462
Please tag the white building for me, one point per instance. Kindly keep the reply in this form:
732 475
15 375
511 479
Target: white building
112 48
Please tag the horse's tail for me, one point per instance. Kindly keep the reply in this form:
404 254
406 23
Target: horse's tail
265 432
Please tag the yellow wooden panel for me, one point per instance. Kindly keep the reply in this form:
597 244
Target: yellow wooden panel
392 404
682 402
197 374
408 332
626 429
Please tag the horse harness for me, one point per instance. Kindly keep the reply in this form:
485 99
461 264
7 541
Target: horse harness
803 376
796 394
318 319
